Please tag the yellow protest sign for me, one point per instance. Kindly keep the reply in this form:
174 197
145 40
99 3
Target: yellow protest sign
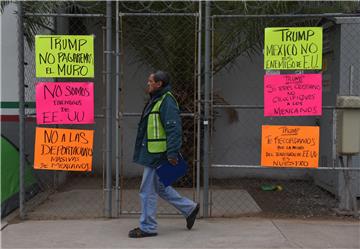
64 56
290 146
289 48
63 149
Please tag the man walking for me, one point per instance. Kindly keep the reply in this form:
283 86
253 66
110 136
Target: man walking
159 138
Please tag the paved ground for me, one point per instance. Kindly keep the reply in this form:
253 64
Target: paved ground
74 204
207 233
83 198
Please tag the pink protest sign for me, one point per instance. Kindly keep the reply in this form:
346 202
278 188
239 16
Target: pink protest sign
293 95
65 103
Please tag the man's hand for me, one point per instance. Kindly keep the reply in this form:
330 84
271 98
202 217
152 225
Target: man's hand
173 161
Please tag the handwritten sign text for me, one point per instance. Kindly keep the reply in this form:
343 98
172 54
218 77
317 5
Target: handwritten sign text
293 95
65 103
290 146
64 56
288 48
63 149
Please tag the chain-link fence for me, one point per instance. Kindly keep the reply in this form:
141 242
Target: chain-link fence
150 42
67 194
167 36
237 178
80 195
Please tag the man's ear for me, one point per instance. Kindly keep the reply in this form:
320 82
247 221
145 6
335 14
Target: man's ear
161 83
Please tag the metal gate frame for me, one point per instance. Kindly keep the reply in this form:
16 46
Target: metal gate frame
22 86
345 167
108 52
203 122
122 115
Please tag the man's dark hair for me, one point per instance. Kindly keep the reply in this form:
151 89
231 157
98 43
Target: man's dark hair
162 76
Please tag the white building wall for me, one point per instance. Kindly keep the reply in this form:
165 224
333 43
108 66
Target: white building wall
9 56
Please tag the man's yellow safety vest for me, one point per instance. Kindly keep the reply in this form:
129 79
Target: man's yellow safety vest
156 136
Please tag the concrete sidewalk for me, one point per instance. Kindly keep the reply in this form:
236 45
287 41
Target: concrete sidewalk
207 233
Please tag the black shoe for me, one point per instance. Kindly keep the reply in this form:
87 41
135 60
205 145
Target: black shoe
138 233
190 220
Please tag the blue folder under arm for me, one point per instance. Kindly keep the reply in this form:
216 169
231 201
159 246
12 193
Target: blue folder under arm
169 173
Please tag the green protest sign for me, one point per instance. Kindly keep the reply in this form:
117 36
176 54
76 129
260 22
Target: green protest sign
64 56
288 48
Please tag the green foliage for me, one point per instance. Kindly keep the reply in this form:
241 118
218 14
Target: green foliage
245 36
240 37
166 43
34 24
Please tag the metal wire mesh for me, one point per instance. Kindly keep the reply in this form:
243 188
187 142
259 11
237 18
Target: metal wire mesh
68 194
237 178
149 43
158 6
153 38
